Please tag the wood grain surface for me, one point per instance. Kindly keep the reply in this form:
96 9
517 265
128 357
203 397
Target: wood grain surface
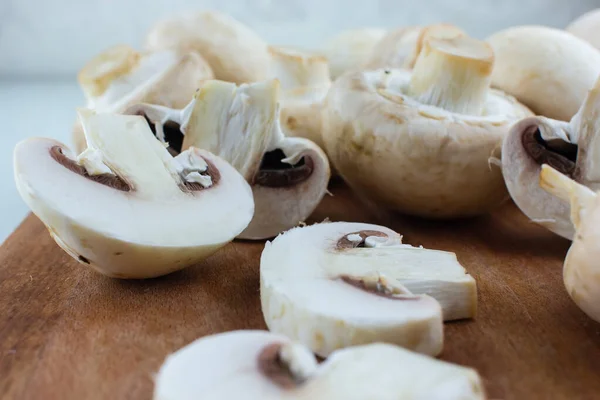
69 333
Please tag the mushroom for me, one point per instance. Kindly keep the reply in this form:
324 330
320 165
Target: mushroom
125 207
254 364
586 27
120 77
548 70
289 176
569 147
400 47
335 285
419 142
581 271
233 50
348 49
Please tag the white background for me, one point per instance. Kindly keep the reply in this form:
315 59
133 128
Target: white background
43 43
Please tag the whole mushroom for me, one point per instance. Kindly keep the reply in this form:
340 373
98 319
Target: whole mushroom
548 70
420 141
586 27
569 147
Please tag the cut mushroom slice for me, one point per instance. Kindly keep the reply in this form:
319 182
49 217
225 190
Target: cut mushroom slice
233 50
266 366
581 272
120 77
586 27
548 70
348 49
570 147
420 142
125 207
289 176
335 285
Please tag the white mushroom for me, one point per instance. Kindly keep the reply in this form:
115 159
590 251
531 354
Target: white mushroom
586 27
261 365
569 147
233 50
127 208
120 77
348 49
419 142
548 70
335 285
581 272
289 176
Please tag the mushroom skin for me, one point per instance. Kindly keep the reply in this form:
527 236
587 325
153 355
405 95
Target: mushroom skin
586 27
546 69
267 366
126 207
419 142
569 147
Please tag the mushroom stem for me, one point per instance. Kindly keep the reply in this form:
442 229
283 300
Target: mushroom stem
287 364
453 73
585 125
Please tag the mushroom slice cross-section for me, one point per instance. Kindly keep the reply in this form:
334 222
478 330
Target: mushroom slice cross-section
125 206
262 365
335 285
288 176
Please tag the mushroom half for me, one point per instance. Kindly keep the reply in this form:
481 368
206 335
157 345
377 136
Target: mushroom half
261 365
548 70
334 285
581 273
419 141
125 207
569 147
289 176
120 77
586 27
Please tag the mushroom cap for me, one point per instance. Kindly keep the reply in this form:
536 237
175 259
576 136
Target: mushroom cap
413 157
152 228
298 68
233 50
209 365
302 113
348 49
586 27
546 69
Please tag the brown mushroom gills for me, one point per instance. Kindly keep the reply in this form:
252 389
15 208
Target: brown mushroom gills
273 368
379 288
274 173
559 154
345 243
173 135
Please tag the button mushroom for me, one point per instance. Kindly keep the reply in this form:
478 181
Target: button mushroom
289 176
420 141
265 366
233 50
586 27
548 70
581 270
120 76
125 207
335 285
570 147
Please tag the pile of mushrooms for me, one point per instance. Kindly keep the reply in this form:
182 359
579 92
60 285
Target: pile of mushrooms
212 134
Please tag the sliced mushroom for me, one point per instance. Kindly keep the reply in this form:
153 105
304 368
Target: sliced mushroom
419 142
334 285
581 272
569 147
586 27
124 206
261 365
120 77
289 176
348 49
233 50
548 70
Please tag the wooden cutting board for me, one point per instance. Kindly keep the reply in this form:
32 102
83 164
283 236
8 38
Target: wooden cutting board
69 333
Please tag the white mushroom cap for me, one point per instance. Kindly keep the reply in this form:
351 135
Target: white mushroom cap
127 208
586 27
548 70
261 365
289 176
335 285
348 49
233 50
420 142
298 68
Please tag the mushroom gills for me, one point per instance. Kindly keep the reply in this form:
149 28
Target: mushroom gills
274 172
